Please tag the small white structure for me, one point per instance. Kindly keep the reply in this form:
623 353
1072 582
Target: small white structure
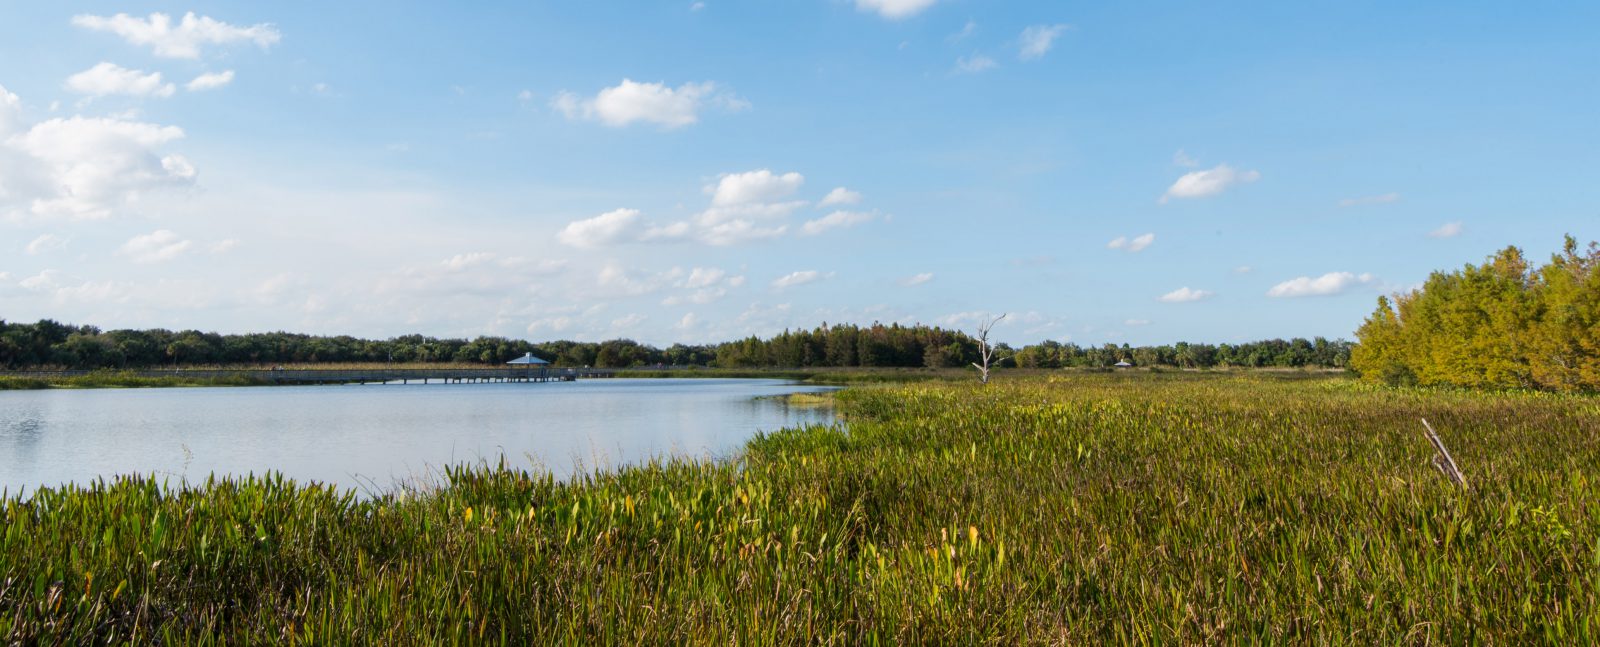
1123 364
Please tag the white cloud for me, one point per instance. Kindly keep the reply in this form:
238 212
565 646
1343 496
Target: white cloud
1037 40
754 186
81 167
223 246
744 207
106 79
977 63
1243 269
700 277
1186 295
155 247
1447 230
794 279
627 321
836 220
42 282
1371 199
894 9
1134 246
697 6
706 285
1326 285
1181 158
917 279
736 232
840 195
615 280
608 228
471 273
740 200
630 102
10 115
181 40
525 96
1199 184
210 81
46 243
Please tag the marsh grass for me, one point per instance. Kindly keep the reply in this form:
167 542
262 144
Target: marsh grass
122 379
1078 509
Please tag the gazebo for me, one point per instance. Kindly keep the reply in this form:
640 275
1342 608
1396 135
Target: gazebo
529 362
528 359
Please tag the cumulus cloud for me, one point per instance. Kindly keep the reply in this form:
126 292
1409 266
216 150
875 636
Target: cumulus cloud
1186 295
107 79
82 167
975 64
742 202
894 9
607 228
1371 199
1200 184
1134 245
181 40
1037 40
794 279
1328 284
1447 230
1181 158
836 220
840 195
705 285
155 247
46 243
210 81
744 207
631 102
917 279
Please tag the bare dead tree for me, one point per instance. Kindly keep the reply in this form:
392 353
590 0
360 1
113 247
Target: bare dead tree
1442 459
985 351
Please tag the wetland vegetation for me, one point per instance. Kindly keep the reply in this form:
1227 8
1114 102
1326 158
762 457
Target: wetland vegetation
1076 508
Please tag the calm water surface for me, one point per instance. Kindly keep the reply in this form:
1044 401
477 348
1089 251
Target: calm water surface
374 436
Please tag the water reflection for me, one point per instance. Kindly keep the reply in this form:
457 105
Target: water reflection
374 436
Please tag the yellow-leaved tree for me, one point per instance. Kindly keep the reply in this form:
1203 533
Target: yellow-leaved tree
1497 325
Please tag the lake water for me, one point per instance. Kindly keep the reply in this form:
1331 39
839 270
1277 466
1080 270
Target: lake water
375 436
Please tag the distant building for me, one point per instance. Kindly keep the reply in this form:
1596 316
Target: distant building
528 359
1123 364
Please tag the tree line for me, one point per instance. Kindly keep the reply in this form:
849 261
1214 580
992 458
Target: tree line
50 344
1502 324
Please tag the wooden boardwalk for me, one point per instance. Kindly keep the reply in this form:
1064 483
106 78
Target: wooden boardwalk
358 376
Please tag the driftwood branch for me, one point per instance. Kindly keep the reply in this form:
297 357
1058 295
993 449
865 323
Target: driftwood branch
1442 459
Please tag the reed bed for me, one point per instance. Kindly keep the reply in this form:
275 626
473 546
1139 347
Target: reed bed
1074 509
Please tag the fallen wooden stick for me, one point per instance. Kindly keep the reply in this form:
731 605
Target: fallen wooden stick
1442 459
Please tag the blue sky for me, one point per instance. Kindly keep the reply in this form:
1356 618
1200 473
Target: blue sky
683 171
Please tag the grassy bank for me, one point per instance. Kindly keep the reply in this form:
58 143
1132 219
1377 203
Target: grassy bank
1076 509
120 380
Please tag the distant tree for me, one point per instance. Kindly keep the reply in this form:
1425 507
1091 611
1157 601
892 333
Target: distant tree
989 356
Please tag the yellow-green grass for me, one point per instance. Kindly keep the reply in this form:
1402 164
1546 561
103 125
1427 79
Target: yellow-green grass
1079 509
